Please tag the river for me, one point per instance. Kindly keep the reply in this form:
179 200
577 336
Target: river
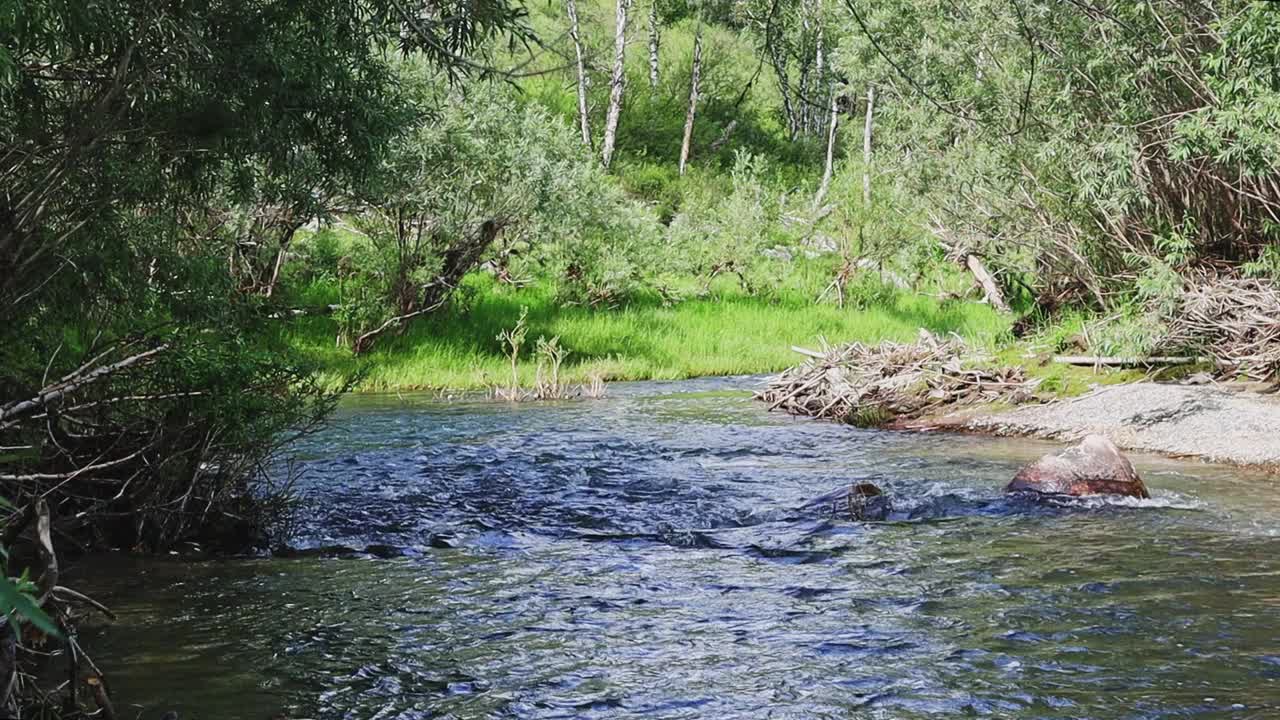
649 555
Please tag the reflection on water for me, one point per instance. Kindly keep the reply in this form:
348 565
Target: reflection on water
649 555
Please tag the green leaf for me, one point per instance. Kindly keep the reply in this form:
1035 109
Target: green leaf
14 602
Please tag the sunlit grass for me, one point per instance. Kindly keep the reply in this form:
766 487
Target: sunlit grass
726 334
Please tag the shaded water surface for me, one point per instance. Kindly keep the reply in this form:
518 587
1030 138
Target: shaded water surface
649 555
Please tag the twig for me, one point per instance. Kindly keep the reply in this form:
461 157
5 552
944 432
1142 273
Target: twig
63 593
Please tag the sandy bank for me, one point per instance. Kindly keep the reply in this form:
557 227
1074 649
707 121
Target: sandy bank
1216 423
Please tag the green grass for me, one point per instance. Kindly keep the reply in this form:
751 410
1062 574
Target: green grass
726 334
1058 379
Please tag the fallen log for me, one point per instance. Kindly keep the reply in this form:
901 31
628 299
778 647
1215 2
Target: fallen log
807 352
314 310
1126 361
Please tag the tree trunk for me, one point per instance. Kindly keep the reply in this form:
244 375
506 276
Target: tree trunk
803 52
866 147
828 169
988 283
458 260
779 62
653 44
616 82
583 121
819 63
282 254
693 101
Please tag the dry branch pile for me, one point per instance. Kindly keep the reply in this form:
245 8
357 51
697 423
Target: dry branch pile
870 385
1235 320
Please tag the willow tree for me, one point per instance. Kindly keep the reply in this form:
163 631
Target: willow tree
141 392
1078 146
145 149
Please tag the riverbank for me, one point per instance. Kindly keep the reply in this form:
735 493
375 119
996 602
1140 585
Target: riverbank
942 384
725 333
1220 423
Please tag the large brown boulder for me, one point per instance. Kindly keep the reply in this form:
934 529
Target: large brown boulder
1094 467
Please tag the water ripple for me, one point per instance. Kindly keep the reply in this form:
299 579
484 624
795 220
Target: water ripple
661 555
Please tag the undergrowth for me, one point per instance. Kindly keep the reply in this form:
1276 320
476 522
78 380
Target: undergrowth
724 333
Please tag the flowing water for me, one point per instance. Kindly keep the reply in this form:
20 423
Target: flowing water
650 555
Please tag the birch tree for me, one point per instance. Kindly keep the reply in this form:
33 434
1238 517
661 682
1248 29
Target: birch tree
583 120
616 82
828 167
653 44
694 79
866 146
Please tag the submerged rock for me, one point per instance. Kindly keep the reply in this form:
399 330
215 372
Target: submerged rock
868 502
1094 467
860 501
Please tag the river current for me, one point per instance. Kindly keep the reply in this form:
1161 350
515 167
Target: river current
651 555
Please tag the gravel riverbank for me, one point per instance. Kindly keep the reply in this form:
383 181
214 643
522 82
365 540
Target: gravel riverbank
1217 423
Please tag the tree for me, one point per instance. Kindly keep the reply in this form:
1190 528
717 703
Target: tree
156 160
1076 145
617 82
583 121
485 179
694 77
653 44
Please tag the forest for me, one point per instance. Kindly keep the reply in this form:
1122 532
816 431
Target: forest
219 218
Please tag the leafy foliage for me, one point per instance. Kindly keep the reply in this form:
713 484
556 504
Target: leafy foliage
157 160
1070 142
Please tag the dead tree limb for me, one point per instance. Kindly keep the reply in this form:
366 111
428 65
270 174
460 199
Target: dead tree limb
65 593
988 283
1126 361
57 391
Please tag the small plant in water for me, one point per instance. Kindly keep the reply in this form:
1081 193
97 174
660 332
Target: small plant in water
551 355
512 340
594 388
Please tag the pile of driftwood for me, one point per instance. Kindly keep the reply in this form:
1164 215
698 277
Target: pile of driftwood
871 385
1234 320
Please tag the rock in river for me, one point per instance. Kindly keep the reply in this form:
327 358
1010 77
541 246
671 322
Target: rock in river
860 501
1094 467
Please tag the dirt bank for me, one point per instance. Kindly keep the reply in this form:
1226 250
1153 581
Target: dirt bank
1217 423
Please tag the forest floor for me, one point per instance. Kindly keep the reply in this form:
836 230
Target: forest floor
1229 423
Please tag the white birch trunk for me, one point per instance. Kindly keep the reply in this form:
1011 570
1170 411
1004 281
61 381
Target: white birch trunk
866 147
693 100
653 44
829 168
583 121
616 82
819 61
806 109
